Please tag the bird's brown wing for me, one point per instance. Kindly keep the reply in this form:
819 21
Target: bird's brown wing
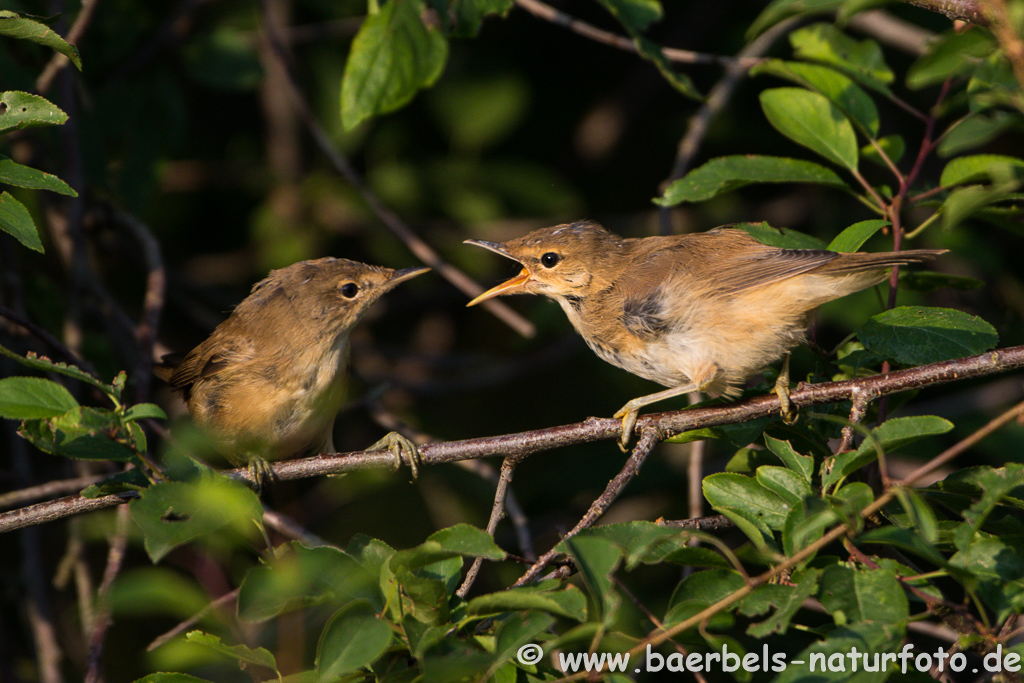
725 261
215 355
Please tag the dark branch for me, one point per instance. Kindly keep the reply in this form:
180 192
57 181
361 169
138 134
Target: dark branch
524 444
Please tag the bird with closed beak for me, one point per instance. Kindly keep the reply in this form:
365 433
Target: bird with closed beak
268 382
702 311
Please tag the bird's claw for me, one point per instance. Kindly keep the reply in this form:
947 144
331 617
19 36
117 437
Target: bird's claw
629 415
261 474
787 410
403 449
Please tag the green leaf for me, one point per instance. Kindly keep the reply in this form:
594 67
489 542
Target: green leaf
82 432
972 201
890 435
394 55
13 173
783 238
725 174
975 131
809 119
25 398
26 29
905 539
699 590
515 631
596 559
853 238
244 654
995 485
982 168
956 52
44 364
303 577
568 602
863 61
736 491
994 569
777 10
837 87
176 512
994 85
467 540
852 595
785 483
892 145
353 638
142 411
921 513
801 464
24 110
917 335
467 15
15 220
635 16
170 677
806 523
130 480
872 640
787 602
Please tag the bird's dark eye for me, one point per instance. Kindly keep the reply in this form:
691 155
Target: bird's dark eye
550 259
349 290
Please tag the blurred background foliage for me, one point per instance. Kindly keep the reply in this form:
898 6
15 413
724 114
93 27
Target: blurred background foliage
182 119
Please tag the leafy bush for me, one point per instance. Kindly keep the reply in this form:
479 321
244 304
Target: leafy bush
830 544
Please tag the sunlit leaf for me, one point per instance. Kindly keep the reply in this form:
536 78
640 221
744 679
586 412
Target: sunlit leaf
176 512
13 173
23 398
917 335
809 119
393 56
24 110
724 174
15 26
853 237
353 638
260 656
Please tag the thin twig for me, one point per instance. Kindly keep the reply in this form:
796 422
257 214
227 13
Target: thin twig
508 467
59 61
115 559
711 524
153 302
192 621
523 444
719 96
423 251
650 437
861 401
549 13
47 490
520 522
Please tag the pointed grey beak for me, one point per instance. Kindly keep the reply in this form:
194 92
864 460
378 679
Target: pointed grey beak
406 274
496 247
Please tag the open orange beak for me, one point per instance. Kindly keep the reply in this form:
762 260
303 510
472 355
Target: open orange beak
507 287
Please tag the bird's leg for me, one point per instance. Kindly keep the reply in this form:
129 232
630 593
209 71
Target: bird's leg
403 449
631 411
787 410
261 473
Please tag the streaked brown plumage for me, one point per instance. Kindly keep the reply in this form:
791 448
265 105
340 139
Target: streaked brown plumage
702 311
269 380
